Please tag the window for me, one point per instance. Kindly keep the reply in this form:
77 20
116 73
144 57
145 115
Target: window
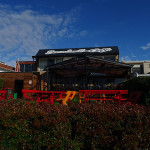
34 67
59 59
43 62
138 68
22 68
25 67
50 62
28 67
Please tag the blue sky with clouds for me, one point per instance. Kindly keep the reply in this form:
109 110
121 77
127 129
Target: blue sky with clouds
29 25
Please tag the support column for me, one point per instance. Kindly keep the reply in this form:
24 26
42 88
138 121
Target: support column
86 74
51 79
47 80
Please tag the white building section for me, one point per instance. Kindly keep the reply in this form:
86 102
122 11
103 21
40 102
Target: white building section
94 50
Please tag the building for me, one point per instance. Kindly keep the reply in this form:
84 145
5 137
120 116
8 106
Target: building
80 68
6 68
19 80
140 68
22 78
25 79
47 57
25 66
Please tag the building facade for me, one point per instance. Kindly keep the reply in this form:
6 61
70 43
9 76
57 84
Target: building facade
25 66
80 68
18 81
6 68
47 57
140 68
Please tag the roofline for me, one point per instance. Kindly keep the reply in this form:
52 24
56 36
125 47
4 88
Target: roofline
137 61
71 55
8 69
17 72
27 61
75 54
115 62
104 60
79 48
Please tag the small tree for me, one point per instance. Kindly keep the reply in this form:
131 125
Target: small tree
1 83
139 84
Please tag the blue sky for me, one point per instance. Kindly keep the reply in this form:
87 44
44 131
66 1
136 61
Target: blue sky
29 25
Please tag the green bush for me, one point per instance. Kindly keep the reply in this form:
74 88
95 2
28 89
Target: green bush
24 126
139 84
77 127
1 83
107 126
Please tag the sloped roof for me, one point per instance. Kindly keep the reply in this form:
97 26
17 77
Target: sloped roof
110 50
92 65
6 67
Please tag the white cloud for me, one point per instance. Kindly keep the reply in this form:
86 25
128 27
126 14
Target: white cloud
133 55
23 32
83 33
125 58
146 47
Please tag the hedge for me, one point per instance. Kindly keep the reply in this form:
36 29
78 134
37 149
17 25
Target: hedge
139 84
1 83
79 126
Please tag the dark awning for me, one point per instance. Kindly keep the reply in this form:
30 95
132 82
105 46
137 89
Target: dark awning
91 66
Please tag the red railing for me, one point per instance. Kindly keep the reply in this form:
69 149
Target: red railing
115 95
84 95
42 96
3 94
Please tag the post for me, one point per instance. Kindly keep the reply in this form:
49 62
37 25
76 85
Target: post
86 74
47 80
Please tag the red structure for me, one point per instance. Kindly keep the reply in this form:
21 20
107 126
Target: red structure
42 96
3 94
84 95
9 93
104 95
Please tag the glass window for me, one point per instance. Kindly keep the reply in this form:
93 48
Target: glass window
22 68
43 62
59 59
28 67
67 58
50 62
34 67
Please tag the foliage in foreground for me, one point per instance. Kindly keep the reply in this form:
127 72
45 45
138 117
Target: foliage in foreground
139 84
1 83
79 126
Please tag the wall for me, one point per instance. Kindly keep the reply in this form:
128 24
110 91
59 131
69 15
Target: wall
146 67
141 67
9 79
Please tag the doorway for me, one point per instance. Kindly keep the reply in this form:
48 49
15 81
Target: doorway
18 88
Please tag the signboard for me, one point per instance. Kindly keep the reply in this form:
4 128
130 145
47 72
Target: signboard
93 50
30 81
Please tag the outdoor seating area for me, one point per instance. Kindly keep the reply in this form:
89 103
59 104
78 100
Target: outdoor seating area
104 95
83 95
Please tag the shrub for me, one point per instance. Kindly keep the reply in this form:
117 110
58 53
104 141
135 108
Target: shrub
79 126
1 83
103 126
139 84
24 126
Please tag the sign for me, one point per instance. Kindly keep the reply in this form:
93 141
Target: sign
94 50
30 81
